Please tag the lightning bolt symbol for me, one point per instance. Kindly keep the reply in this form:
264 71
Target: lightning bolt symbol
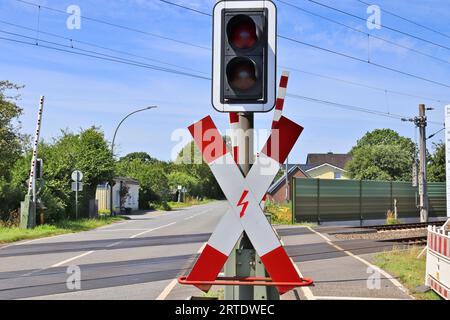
242 203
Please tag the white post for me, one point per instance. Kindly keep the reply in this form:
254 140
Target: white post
447 155
32 181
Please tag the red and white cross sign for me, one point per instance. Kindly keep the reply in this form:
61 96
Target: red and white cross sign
244 195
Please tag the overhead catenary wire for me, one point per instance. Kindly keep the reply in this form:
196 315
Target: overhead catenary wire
119 26
434 134
280 36
361 60
411 75
384 25
96 55
368 35
138 64
73 40
351 107
408 20
359 84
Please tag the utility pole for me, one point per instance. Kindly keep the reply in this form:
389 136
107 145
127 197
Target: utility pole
421 123
287 180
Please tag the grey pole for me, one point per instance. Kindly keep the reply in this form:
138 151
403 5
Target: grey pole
112 149
287 180
421 122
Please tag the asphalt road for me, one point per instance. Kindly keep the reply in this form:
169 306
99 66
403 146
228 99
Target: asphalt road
135 259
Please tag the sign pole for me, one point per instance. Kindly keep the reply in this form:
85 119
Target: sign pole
447 155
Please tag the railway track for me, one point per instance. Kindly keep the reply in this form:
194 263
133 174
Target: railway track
421 240
405 226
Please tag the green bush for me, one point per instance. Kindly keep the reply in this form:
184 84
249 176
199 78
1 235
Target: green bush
159 206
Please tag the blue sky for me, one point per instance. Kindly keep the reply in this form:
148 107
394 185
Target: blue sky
82 91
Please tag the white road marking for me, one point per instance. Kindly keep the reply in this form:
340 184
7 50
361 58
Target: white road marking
71 259
150 230
118 230
306 290
167 290
394 281
163 295
114 244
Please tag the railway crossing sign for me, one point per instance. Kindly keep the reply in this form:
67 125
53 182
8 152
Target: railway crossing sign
244 195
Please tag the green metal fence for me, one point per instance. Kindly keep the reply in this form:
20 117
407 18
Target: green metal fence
343 200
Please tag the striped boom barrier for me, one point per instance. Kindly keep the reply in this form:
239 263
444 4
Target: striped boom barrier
244 195
438 261
280 98
234 125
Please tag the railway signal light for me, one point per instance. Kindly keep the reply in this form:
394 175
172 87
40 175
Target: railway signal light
244 56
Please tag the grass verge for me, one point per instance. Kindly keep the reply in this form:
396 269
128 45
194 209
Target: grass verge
13 234
188 203
410 271
282 214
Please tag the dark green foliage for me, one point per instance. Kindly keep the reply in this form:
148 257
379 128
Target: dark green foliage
436 163
382 155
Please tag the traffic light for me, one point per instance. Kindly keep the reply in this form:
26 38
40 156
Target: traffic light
244 56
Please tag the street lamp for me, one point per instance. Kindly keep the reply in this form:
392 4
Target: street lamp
112 146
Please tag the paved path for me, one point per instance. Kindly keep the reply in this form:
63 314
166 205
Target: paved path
340 269
135 259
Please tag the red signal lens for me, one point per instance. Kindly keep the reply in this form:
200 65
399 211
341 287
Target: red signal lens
242 32
241 73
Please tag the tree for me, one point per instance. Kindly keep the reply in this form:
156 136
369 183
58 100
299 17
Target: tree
152 177
11 141
436 163
86 151
382 155
141 156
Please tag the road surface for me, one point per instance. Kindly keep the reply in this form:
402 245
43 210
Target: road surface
135 259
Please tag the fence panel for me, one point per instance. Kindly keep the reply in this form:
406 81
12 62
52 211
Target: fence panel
306 199
437 199
345 200
335 199
375 199
407 198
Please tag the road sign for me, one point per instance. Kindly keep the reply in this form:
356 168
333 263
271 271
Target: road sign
77 176
77 186
244 56
244 196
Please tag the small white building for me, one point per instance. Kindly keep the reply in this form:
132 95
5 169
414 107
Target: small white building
132 199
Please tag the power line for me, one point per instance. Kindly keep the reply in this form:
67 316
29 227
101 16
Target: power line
364 33
363 85
73 40
351 107
365 61
138 64
185 7
280 36
351 57
384 26
434 134
409 20
100 56
96 55
119 26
